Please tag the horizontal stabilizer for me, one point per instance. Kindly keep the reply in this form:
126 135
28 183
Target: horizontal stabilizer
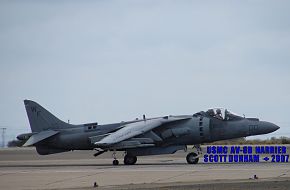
40 137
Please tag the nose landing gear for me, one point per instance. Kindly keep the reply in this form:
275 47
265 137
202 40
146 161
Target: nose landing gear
193 158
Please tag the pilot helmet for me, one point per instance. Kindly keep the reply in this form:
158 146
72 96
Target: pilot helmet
210 112
218 111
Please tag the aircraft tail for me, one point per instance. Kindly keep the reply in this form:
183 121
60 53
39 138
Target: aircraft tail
40 119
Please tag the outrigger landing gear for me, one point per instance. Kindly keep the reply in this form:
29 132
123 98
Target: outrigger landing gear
115 161
193 158
129 159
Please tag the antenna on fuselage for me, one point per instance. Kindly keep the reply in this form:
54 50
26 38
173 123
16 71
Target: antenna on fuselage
144 117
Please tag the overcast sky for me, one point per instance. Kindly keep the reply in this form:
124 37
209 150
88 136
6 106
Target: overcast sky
109 61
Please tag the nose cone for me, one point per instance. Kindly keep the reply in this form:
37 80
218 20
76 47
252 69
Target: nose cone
267 127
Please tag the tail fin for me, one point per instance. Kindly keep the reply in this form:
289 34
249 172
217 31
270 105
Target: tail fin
40 119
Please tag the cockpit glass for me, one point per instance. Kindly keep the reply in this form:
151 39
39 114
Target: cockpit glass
223 114
230 116
218 113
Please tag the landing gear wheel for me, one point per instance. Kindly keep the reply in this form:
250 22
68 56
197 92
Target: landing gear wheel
115 162
130 160
192 158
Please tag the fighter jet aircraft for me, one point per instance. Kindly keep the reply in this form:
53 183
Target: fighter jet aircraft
140 137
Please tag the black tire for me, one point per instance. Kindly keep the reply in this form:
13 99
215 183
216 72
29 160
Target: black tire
130 160
115 162
192 158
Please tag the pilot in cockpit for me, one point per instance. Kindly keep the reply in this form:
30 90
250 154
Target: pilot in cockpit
211 112
218 114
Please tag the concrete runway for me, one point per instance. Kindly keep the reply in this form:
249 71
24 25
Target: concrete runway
22 168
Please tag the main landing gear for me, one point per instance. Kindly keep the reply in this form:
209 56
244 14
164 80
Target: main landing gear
128 159
193 158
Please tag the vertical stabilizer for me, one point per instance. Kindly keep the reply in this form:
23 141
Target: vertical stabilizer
40 119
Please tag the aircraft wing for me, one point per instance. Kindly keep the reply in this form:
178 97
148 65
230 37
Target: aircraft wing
122 137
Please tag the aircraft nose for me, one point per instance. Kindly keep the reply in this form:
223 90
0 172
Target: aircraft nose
268 127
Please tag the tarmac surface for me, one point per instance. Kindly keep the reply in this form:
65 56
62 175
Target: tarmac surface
22 168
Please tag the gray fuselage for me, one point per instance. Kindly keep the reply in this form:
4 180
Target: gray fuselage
199 129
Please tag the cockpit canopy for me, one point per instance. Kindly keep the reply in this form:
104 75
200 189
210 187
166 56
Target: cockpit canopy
223 114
